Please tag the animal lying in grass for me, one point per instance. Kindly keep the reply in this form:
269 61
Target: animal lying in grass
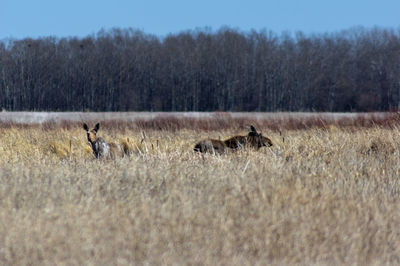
253 140
102 149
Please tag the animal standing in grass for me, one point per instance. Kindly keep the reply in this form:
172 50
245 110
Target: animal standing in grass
102 149
253 140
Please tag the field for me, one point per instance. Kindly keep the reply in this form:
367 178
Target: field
326 192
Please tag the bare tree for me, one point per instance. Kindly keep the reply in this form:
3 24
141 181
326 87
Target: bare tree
203 70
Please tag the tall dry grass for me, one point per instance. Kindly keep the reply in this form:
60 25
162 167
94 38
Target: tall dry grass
321 195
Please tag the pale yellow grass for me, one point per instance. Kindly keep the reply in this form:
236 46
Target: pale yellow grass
320 197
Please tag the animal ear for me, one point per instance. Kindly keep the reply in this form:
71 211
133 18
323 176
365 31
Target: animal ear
96 127
85 127
252 129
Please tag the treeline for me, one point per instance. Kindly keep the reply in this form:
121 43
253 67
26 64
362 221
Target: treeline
203 70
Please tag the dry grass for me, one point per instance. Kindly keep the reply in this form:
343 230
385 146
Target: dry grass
323 196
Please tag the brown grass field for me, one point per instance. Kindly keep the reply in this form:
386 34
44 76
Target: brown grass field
327 192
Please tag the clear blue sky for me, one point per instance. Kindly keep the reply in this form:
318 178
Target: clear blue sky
65 18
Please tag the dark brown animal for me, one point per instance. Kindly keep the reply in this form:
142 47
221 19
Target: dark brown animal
211 145
253 140
100 148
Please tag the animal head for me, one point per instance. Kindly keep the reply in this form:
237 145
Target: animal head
257 140
91 134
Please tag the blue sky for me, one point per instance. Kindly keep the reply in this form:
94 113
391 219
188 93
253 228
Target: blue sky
65 18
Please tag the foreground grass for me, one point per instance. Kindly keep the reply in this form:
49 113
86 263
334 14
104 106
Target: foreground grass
321 196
